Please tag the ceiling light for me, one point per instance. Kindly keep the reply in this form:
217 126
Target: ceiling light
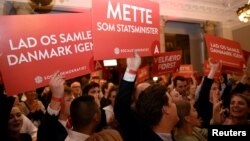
244 13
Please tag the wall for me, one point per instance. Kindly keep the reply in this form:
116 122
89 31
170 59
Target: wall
196 40
1 7
242 35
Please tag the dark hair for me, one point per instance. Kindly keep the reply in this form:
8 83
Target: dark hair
180 78
89 86
114 88
82 110
224 75
67 90
150 102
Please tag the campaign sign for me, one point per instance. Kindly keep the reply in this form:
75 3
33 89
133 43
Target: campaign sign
32 50
228 51
185 71
96 65
122 26
166 62
142 74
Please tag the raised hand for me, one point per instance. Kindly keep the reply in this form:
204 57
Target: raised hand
56 85
214 65
134 62
218 111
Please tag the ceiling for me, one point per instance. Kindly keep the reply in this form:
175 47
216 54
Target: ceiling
221 11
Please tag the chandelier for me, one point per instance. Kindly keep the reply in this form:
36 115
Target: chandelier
244 13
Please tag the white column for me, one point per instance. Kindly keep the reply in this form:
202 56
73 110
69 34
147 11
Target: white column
162 33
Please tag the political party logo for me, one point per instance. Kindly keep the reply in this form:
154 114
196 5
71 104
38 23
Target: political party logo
117 51
38 79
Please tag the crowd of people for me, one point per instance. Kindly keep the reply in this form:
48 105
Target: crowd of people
181 110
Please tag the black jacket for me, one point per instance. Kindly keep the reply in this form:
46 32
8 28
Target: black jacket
51 129
132 129
203 106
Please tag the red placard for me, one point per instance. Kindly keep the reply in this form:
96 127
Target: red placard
31 53
96 65
186 68
142 74
122 26
228 51
166 62
185 71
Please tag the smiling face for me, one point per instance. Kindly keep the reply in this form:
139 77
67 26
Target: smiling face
15 121
214 89
239 107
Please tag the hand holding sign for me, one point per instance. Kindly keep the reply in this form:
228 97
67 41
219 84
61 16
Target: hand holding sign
56 85
214 65
134 63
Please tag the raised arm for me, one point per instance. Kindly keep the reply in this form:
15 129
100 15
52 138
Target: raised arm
123 100
48 130
122 107
203 106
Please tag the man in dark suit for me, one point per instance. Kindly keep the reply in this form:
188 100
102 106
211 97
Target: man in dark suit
155 114
53 128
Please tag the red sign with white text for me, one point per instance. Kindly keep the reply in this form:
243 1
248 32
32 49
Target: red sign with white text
96 65
122 26
186 68
142 74
228 51
185 71
166 62
30 57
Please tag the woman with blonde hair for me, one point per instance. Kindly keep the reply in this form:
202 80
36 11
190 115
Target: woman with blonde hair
239 110
187 127
106 135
